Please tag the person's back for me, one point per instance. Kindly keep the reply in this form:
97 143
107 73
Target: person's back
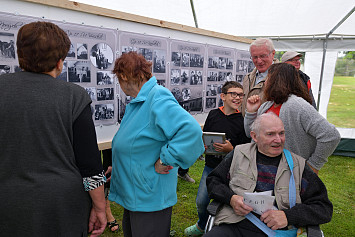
42 153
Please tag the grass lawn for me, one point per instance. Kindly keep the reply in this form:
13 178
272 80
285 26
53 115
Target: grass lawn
337 174
341 107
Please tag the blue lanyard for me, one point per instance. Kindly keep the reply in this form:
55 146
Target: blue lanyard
292 199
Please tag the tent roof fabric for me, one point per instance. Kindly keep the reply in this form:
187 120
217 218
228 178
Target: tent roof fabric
248 18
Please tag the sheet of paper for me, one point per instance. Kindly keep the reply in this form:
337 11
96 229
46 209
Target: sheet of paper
260 202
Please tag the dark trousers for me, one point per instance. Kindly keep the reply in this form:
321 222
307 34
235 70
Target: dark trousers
241 229
182 171
147 224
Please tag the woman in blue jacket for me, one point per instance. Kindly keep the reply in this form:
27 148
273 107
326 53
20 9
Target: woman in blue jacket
156 136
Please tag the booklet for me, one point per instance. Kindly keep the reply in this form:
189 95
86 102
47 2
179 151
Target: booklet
260 202
211 137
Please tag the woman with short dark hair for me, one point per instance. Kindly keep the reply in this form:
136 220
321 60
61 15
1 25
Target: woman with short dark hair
51 172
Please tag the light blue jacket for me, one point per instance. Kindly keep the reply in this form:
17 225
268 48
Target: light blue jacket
154 125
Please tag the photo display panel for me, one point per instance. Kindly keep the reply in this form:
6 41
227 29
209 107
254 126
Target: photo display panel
187 72
154 49
221 62
89 63
244 65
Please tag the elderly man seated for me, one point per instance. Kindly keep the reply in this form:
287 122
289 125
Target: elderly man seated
263 166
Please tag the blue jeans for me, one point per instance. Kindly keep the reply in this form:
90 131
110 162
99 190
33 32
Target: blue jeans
202 199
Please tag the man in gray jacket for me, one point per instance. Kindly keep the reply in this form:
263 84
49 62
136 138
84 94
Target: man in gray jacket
262 166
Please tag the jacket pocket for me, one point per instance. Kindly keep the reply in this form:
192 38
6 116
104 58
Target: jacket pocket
242 181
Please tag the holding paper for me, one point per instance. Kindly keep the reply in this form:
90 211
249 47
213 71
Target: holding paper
260 202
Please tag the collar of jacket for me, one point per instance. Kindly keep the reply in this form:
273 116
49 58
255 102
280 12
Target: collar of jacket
146 88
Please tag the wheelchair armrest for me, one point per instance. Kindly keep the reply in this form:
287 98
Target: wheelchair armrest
314 231
214 207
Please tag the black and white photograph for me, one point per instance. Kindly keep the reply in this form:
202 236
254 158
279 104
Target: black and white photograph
211 90
82 51
79 71
195 77
104 111
221 76
105 77
242 66
122 103
175 77
159 61
5 69
229 76
229 63
101 56
185 75
177 94
147 53
127 49
239 78
71 52
7 45
250 66
18 69
213 62
196 60
222 63
91 92
105 94
186 94
210 103
161 83
176 58
185 60
212 76
64 74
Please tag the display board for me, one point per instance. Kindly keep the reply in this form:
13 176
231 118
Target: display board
181 66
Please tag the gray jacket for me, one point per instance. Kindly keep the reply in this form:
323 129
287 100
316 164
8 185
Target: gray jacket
244 173
308 134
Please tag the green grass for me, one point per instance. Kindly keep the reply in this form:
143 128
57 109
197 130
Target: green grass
341 107
337 174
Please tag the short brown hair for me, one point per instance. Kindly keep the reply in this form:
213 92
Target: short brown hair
133 66
40 45
230 84
282 81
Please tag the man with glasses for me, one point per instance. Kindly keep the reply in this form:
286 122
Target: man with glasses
262 53
294 58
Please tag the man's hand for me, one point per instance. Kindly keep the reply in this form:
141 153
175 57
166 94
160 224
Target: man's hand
162 169
275 219
238 205
253 103
223 147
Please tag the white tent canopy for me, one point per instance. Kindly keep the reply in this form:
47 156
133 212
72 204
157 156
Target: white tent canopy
302 25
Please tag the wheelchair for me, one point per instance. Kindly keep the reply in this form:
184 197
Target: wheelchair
215 206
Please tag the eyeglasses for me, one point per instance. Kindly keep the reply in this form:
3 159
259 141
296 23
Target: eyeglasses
235 94
295 60
263 56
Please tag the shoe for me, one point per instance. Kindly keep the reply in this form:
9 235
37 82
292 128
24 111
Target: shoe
111 225
193 231
201 158
187 178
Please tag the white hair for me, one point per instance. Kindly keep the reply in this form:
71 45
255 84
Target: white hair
263 42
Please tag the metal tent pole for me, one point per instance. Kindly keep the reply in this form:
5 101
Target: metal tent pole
193 12
325 44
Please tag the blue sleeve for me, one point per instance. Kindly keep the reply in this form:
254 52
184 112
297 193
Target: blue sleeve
182 131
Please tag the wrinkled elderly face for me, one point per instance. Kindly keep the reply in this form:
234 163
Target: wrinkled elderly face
296 62
271 137
262 57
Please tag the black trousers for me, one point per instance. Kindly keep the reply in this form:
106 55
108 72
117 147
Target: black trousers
147 224
242 229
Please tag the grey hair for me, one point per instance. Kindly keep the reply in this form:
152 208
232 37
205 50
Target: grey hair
256 125
263 42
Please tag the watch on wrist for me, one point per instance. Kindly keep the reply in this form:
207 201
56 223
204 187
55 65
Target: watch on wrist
161 162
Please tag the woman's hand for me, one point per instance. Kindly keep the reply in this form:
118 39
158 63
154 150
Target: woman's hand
162 169
108 171
253 103
223 147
